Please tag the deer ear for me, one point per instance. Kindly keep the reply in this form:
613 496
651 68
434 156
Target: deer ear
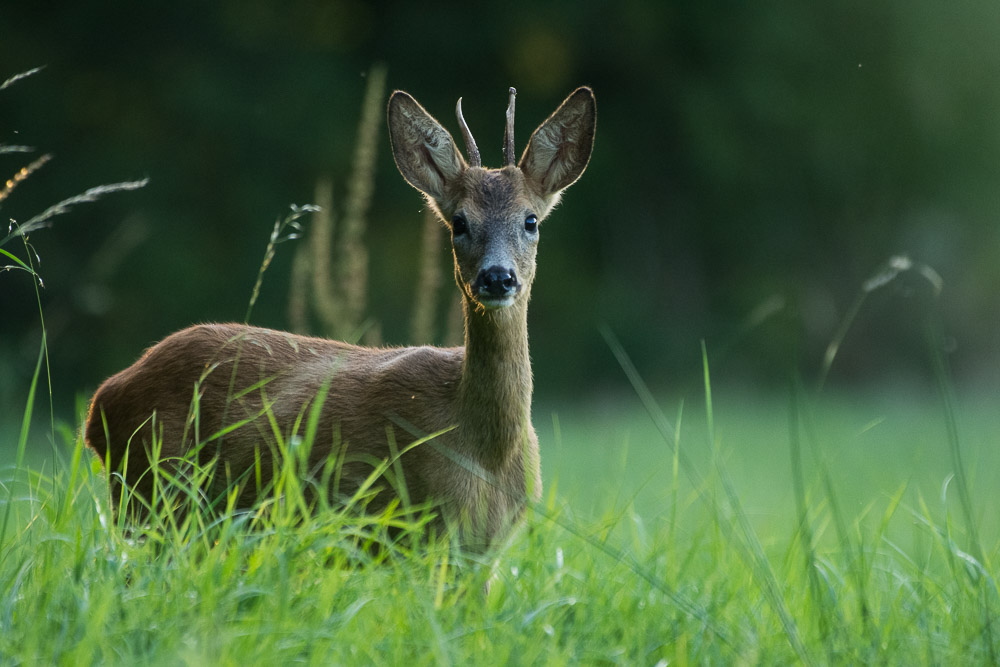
560 148
424 151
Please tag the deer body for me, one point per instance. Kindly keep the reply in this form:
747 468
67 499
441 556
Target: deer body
484 464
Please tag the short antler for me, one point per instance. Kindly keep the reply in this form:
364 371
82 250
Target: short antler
508 135
470 144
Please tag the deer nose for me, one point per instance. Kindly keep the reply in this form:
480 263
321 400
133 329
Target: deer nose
497 281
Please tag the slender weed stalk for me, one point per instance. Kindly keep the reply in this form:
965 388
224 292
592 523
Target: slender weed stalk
330 273
804 526
984 582
858 564
22 230
428 282
329 308
894 268
351 266
44 219
752 549
24 172
10 81
22 443
758 559
285 229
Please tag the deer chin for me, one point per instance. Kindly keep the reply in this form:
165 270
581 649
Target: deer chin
496 303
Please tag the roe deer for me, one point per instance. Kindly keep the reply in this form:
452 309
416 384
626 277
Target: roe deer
220 389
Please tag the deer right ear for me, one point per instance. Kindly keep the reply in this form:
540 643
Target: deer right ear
425 153
560 148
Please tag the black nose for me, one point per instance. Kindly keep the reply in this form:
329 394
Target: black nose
497 281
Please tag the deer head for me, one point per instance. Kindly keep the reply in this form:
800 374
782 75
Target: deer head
493 214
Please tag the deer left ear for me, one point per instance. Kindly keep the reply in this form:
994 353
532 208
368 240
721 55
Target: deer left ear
560 148
424 151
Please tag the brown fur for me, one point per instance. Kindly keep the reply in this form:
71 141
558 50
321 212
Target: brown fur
481 471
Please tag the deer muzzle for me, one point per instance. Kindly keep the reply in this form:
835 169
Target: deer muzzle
496 286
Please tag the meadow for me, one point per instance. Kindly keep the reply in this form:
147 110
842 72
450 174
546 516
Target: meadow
722 528
724 525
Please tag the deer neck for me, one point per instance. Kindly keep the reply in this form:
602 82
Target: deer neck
495 391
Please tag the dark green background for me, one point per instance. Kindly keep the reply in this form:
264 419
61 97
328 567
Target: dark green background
745 152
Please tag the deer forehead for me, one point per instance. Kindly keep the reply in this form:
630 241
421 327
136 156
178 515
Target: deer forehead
496 194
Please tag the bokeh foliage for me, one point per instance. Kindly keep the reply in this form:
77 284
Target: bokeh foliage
746 154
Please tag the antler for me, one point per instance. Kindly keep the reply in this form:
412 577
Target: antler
470 144
508 135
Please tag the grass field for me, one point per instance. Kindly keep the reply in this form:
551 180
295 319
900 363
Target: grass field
727 528
833 530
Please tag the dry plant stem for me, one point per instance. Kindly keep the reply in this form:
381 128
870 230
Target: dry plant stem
328 306
298 289
428 282
351 266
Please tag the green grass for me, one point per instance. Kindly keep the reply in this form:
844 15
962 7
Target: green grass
632 557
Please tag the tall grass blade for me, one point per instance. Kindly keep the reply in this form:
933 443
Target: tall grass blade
805 531
663 425
941 377
685 605
946 391
759 560
756 557
22 443
18 263
858 565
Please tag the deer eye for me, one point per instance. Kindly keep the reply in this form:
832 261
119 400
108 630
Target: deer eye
531 223
458 225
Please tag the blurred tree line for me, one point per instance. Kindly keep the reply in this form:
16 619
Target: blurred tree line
748 156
